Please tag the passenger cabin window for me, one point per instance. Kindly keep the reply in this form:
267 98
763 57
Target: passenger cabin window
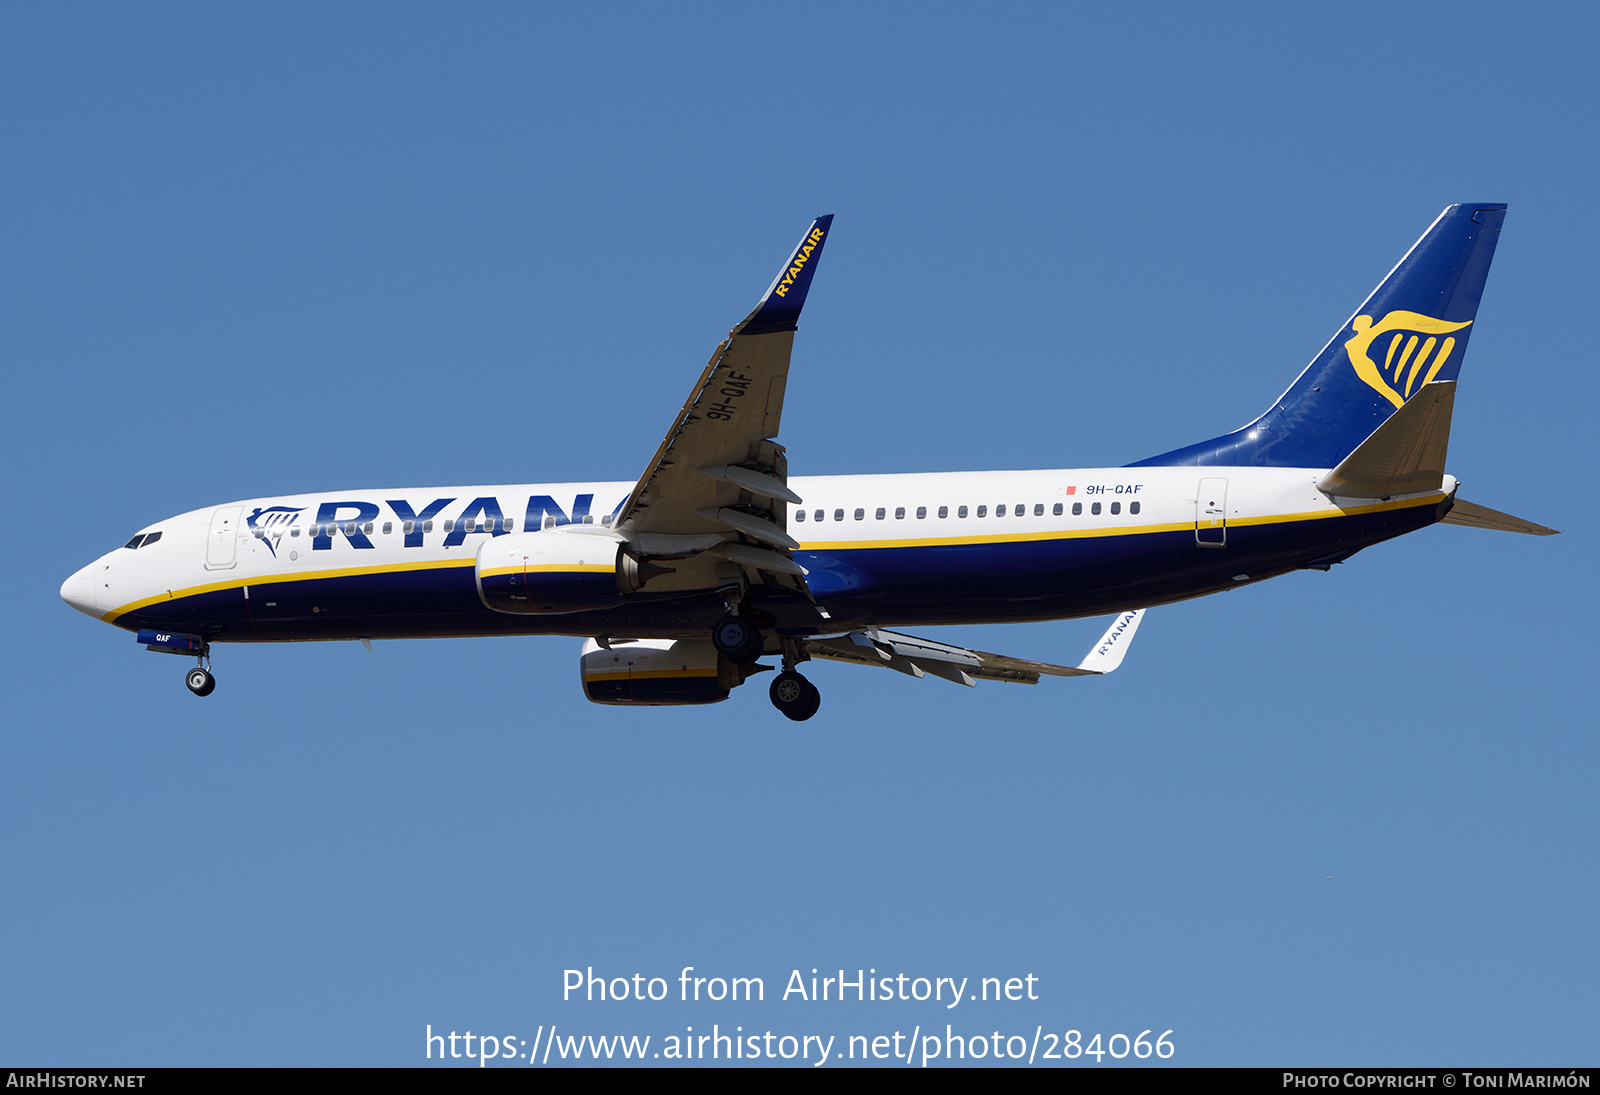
367 528
944 511
1038 510
881 514
922 513
450 524
799 515
860 514
899 513
511 522
983 511
962 511
999 511
294 530
1077 509
1094 508
427 526
1116 507
1133 507
408 527
388 527
1021 509
549 522
838 515
816 515
1057 509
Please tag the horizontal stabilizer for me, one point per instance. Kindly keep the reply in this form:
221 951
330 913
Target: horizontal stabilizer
1476 516
1405 455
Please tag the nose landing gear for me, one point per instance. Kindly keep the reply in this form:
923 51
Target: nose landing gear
199 679
793 695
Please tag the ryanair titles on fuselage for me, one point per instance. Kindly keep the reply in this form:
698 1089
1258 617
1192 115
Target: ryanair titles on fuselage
349 518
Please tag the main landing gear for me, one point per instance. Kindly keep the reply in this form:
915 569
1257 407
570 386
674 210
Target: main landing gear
737 639
200 681
795 696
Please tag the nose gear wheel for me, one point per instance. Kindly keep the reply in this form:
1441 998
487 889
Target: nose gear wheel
200 681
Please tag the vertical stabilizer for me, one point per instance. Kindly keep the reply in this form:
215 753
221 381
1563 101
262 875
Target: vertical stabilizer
1412 331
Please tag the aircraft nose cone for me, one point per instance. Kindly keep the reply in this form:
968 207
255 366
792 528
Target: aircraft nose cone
79 590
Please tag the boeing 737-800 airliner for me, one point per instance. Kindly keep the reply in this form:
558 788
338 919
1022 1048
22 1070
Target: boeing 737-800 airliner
681 582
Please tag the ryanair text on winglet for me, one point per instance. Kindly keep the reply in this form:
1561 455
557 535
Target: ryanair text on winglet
798 263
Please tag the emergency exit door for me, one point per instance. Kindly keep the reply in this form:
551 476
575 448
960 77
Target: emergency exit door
1211 513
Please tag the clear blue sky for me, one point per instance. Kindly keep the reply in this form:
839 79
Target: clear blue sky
1343 817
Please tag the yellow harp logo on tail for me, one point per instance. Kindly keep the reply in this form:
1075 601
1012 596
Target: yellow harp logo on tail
1404 363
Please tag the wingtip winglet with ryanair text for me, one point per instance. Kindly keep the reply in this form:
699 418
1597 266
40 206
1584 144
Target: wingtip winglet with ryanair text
681 582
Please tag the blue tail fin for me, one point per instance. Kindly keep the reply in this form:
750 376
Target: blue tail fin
1412 329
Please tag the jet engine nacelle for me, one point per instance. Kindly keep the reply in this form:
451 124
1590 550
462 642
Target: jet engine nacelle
658 673
572 568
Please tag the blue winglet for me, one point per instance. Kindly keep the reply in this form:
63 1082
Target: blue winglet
779 310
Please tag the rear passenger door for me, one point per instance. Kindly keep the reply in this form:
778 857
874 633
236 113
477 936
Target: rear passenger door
1211 513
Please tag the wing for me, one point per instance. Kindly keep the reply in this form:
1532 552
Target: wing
919 657
719 477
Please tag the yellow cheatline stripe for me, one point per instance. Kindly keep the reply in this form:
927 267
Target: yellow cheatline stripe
278 579
1114 530
551 568
651 674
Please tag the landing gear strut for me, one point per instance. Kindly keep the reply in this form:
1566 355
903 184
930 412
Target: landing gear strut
737 639
200 681
795 696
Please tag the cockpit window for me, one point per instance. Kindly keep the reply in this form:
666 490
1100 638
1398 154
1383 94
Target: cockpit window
150 538
134 543
144 539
